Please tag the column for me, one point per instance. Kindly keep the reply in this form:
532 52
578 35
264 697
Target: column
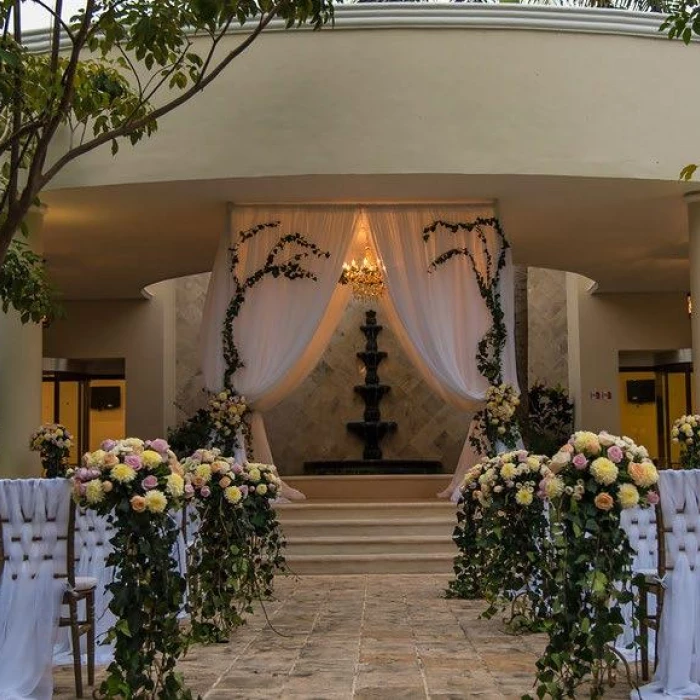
20 382
692 200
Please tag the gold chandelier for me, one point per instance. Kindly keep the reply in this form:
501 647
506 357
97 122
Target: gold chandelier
366 278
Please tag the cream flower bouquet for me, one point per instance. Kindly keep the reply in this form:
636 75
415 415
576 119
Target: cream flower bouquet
137 485
509 533
686 433
595 476
236 549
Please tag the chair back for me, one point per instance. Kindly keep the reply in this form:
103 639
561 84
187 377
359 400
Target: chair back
679 517
640 526
35 517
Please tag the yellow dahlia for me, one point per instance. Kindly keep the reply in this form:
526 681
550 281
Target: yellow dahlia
156 501
123 473
604 471
628 495
233 494
151 458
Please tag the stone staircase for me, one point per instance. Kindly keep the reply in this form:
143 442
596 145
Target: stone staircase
369 537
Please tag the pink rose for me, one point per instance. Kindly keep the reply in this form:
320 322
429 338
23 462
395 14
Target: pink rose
189 490
652 498
244 489
615 454
108 445
237 469
160 445
83 474
580 461
206 492
83 489
150 482
134 461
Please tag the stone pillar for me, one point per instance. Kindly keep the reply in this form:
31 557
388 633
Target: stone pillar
20 382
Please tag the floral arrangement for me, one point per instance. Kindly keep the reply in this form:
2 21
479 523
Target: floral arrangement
53 442
510 533
593 478
686 433
227 411
135 484
238 541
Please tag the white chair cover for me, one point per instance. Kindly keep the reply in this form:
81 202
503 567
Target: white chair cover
92 547
640 526
35 516
678 671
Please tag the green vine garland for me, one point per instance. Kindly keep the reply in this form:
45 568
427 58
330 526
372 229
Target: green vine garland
291 269
489 355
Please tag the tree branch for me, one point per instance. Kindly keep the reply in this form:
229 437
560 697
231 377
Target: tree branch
128 127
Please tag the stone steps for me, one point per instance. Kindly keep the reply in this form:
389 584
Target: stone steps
369 537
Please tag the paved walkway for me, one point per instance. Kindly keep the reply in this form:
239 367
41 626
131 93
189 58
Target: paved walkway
388 637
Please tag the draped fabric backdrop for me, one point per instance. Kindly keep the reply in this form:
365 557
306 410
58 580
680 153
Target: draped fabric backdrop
284 325
439 318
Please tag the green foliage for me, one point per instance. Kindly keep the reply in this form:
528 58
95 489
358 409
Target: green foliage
238 547
471 561
24 285
147 594
502 536
550 419
108 75
191 434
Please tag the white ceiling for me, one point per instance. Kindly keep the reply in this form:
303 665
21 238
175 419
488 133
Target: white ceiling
111 242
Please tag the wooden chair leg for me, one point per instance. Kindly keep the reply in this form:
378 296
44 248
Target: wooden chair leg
75 640
90 619
644 631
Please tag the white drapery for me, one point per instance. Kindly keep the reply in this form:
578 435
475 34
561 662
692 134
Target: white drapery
678 672
440 318
35 514
284 325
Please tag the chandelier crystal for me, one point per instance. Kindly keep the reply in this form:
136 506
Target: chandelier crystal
366 278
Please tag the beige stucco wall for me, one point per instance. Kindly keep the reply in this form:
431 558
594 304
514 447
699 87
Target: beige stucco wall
427 99
140 331
602 325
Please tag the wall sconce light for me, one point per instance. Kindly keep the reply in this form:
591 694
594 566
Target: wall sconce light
689 302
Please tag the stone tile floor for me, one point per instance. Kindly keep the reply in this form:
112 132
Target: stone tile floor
363 637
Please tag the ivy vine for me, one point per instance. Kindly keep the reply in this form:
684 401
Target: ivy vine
489 355
291 268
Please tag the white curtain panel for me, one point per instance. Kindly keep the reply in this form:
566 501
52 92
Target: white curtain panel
35 525
678 672
439 318
284 325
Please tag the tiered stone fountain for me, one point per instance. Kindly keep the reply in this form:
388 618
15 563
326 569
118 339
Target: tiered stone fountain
372 429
